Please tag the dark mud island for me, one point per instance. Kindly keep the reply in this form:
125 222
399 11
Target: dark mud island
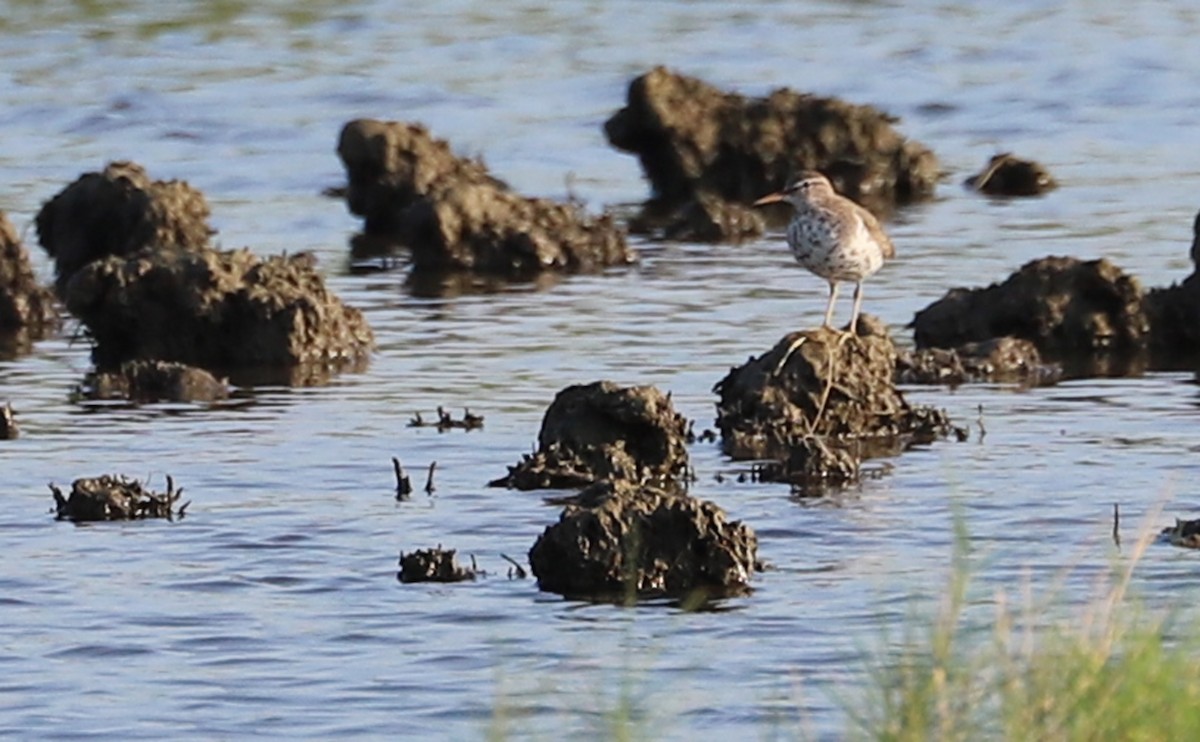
452 215
172 317
632 530
134 263
27 310
709 154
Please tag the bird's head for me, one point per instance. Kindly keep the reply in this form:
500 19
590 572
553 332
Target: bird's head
801 188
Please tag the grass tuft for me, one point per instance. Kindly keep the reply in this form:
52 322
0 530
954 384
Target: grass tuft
1111 671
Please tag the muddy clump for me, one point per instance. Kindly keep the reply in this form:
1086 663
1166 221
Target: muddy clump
454 216
154 381
110 497
705 218
620 540
392 164
225 311
696 141
604 431
8 423
120 211
814 466
27 311
1072 310
1174 315
819 402
999 360
1006 175
434 565
1194 252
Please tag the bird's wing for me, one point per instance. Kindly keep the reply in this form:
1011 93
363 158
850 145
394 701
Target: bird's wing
875 230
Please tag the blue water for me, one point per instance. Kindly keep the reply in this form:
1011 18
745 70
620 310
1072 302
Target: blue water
273 609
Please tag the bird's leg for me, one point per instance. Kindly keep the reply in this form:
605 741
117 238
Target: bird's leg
833 292
857 307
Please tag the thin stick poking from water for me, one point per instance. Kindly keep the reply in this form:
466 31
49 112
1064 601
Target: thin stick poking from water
518 571
403 483
429 488
1117 524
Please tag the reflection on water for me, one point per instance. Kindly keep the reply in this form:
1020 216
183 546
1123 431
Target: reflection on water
273 607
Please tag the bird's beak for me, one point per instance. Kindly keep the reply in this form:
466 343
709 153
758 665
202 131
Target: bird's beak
770 198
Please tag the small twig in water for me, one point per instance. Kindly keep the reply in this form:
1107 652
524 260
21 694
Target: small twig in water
979 422
1117 524
517 569
429 488
403 484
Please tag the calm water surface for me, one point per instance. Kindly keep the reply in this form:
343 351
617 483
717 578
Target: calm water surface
273 608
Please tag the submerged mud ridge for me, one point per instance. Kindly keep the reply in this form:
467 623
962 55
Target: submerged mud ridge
1006 175
154 381
27 311
220 310
120 211
819 402
603 431
453 215
696 142
618 539
1005 359
111 497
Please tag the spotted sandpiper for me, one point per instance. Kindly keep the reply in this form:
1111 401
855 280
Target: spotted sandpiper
832 236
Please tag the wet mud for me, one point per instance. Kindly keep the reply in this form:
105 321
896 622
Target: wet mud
154 381
818 403
27 309
226 311
1007 175
453 215
1070 309
1174 317
698 144
1089 317
110 497
599 431
120 211
999 360
434 565
626 541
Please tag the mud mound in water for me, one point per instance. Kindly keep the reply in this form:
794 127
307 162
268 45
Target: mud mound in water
120 211
219 310
696 142
622 540
818 403
603 431
454 216
1070 309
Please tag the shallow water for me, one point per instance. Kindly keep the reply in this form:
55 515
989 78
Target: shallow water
273 608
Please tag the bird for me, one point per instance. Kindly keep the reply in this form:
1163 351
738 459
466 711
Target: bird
832 236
